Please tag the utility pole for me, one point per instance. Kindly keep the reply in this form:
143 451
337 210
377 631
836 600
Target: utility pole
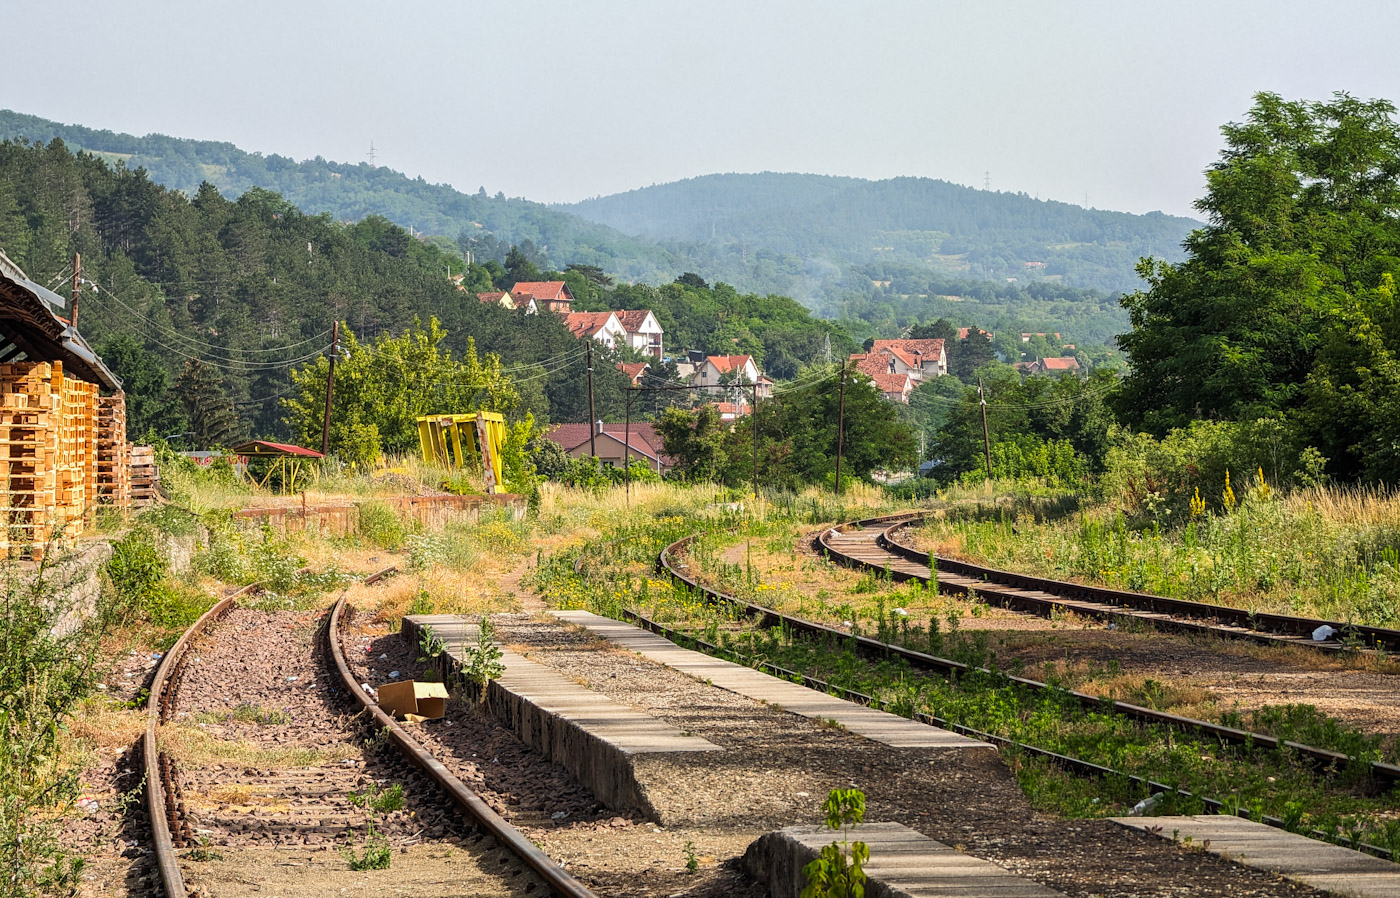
754 413
627 446
330 385
77 288
986 438
840 428
592 421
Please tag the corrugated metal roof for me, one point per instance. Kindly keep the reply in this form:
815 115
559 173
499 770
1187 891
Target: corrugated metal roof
31 329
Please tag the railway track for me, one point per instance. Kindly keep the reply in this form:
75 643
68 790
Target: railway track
671 562
314 810
874 545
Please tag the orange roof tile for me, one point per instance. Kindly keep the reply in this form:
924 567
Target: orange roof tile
1068 363
586 324
727 363
546 290
632 319
633 370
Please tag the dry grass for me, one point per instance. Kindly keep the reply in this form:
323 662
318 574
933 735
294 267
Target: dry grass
1350 506
190 744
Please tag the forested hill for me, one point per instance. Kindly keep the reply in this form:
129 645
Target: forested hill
850 221
818 239
350 192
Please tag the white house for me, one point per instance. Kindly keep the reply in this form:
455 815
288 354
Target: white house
722 370
643 331
601 326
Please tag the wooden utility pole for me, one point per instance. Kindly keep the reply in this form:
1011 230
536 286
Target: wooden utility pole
754 413
330 386
627 446
77 289
840 429
986 437
592 421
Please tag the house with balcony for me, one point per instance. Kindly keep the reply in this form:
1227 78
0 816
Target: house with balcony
643 331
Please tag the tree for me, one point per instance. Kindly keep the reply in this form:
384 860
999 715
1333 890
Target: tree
520 267
941 329
965 357
381 389
145 383
1303 214
206 405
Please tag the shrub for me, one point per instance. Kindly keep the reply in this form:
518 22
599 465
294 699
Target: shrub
381 526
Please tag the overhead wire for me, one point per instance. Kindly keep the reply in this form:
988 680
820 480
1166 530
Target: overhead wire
194 340
237 365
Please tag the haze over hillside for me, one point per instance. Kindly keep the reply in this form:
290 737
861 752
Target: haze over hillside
902 220
883 251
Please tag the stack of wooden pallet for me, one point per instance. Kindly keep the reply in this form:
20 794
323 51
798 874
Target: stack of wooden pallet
113 452
48 440
145 477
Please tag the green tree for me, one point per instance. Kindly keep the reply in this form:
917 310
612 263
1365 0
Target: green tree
965 357
381 389
1303 212
207 409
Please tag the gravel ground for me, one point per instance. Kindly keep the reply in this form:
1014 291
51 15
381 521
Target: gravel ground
266 790
614 854
777 768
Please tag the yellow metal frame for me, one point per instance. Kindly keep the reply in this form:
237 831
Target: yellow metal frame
444 439
289 466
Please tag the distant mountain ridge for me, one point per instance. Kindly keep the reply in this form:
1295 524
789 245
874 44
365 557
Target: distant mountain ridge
888 252
352 191
900 220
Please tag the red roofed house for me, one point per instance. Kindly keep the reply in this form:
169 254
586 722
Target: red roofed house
550 296
1066 365
731 411
633 370
718 371
920 359
499 298
611 441
600 326
964 331
643 331
895 387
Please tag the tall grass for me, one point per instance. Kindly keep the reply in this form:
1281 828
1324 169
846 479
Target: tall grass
1325 552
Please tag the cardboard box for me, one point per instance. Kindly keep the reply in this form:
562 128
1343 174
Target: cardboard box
423 700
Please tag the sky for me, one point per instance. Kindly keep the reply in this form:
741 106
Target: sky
1117 104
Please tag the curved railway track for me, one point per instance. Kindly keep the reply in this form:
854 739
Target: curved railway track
670 562
873 544
166 811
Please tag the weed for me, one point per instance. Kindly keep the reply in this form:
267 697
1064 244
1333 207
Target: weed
383 801
377 854
833 874
482 662
692 863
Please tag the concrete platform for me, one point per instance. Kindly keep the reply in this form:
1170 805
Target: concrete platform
877 726
1318 864
902 863
589 734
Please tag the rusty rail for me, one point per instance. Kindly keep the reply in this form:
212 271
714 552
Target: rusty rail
872 648
561 881
160 797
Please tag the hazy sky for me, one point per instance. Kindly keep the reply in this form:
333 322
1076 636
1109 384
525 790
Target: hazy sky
556 101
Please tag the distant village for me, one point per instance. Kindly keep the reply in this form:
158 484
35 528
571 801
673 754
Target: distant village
896 366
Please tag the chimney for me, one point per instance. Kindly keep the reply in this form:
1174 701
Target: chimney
599 425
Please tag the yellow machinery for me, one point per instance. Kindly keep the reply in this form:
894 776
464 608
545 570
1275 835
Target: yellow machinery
450 440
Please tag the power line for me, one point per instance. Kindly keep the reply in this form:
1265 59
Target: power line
236 365
179 336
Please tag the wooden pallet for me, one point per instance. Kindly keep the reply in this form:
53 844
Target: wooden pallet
48 455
